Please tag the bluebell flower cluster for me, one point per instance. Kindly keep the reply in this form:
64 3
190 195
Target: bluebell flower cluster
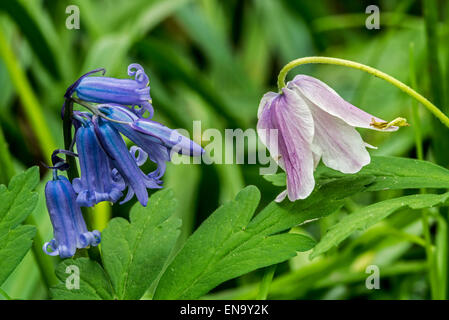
117 108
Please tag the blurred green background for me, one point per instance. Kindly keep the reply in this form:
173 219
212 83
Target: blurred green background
212 61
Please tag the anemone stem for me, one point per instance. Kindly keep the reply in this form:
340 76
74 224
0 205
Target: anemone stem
377 73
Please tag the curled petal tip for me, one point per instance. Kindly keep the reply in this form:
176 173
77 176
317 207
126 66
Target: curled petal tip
49 245
392 125
135 69
90 238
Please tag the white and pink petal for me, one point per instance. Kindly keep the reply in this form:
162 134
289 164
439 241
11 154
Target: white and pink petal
340 145
323 96
290 115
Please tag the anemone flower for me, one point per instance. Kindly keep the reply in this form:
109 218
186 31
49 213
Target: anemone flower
313 122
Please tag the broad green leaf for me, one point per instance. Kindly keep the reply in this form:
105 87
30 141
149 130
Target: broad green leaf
227 245
135 252
399 173
185 191
326 199
16 203
390 173
18 200
81 279
13 247
26 280
372 214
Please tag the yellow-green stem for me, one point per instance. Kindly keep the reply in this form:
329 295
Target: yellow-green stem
377 73
102 215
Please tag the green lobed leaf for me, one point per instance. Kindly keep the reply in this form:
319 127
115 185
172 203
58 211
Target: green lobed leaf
16 203
370 215
229 244
389 173
135 252
326 199
18 200
13 247
94 283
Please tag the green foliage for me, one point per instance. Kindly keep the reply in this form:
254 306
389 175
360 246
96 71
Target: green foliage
231 242
389 172
398 173
17 201
326 199
212 61
372 214
228 244
134 253
94 283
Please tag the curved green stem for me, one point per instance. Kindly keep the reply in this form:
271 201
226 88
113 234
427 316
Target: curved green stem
377 73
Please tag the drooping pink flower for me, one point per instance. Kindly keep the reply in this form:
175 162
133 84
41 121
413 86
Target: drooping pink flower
313 122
